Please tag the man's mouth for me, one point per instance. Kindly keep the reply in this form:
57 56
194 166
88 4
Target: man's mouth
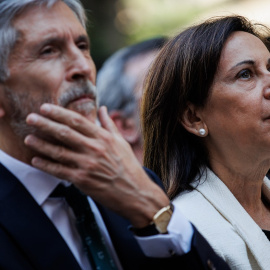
81 99
84 104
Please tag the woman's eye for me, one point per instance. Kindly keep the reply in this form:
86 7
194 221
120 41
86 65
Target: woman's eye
245 74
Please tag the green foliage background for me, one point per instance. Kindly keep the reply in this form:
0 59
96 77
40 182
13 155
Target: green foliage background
117 23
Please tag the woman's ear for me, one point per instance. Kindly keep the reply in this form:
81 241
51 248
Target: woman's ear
192 121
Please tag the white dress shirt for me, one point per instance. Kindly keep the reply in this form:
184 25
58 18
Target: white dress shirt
40 185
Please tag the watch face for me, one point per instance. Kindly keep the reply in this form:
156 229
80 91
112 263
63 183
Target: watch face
162 219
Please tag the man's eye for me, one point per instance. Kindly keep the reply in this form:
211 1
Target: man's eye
83 46
47 51
245 74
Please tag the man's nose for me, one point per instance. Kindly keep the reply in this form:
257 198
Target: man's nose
80 66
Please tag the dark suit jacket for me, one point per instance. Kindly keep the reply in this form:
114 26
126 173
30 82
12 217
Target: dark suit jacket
29 240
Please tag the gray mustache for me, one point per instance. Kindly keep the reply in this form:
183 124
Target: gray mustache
76 91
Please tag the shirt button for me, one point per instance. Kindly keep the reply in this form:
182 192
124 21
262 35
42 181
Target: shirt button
210 265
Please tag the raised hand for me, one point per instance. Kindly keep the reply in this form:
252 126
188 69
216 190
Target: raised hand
96 159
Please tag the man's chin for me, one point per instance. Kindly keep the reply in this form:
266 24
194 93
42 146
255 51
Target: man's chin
87 109
92 117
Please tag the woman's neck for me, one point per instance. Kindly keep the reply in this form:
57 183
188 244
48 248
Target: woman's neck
246 186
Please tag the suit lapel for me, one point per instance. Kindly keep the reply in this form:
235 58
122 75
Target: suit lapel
29 227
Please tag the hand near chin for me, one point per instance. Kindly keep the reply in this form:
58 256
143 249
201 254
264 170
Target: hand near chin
96 159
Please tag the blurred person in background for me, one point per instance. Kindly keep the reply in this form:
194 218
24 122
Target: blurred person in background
120 88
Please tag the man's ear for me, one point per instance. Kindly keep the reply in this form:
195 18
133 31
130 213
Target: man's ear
128 127
193 122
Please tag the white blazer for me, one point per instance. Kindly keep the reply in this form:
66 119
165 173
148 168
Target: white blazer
221 219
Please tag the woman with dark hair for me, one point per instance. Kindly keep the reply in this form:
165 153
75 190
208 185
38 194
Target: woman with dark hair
206 125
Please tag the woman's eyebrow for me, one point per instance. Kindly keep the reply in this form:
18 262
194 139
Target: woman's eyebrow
249 62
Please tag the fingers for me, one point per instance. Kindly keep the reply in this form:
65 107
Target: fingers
62 142
57 169
56 131
66 163
54 152
59 123
69 118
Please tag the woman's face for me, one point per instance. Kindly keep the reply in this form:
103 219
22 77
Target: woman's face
237 113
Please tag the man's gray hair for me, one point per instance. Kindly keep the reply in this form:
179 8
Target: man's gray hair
115 87
8 34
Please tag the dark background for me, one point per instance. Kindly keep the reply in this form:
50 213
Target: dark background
105 38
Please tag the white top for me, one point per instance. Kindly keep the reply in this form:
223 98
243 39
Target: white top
40 185
225 224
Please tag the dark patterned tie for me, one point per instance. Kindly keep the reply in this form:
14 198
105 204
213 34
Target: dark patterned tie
93 241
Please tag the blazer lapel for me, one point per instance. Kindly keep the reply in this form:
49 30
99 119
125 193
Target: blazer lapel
217 193
31 230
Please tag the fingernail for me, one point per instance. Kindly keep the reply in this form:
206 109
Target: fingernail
31 118
36 161
29 139
45 108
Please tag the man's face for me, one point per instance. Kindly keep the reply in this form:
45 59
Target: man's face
51 63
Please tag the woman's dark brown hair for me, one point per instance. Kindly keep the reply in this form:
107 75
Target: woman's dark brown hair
183 72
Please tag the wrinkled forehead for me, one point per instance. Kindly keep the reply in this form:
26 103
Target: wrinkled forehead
43 14
39 22
14 10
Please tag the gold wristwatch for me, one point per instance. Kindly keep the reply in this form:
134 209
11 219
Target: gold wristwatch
162 218
159 223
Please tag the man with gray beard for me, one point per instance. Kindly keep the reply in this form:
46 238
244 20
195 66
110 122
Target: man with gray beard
23 105
46 222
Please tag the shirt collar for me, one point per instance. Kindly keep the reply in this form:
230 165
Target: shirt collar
38 183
